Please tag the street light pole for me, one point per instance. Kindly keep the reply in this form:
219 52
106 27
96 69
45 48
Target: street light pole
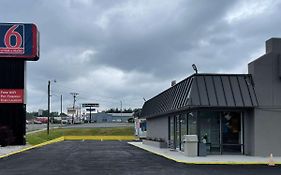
121 109
121 106
49 95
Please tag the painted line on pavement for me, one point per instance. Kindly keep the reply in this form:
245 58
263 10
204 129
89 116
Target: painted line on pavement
101 138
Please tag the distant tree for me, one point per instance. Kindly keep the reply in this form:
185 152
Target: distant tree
54 114
137 112
116 110
63 115
127 110
31 115
111 110
44 113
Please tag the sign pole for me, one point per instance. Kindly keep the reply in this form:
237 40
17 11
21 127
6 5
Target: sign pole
19 42
48 123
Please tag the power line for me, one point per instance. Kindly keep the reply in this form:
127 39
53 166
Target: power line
70 89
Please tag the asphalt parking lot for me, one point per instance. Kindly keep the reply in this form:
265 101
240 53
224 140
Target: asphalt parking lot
111 157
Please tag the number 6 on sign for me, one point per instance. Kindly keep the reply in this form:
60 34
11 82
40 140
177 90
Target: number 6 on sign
11 32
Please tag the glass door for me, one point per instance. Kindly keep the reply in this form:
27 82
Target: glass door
219 132
209 134
231 133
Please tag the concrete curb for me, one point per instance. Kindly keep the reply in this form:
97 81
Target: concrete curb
68 138
205 163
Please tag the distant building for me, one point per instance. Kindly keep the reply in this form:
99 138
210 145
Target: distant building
100 117
111 117
40 112
121 117
74 114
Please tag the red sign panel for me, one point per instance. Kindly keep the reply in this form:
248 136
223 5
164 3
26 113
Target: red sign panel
11 95
19 41
16 46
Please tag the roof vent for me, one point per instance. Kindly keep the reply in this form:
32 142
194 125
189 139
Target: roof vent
173 83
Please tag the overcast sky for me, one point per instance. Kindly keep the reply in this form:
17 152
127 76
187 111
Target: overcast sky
117 50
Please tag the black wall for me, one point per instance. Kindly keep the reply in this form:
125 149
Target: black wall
12 116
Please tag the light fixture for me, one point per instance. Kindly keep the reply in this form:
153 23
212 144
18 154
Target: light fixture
194 68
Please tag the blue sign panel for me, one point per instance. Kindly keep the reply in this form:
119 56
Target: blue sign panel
19 41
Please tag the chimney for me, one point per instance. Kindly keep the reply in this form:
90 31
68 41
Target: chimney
273 45
173 83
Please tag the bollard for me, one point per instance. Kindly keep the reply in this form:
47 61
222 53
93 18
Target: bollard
271 161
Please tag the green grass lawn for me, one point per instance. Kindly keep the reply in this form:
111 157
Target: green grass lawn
39 137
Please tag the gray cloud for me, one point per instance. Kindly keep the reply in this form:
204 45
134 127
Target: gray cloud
126 50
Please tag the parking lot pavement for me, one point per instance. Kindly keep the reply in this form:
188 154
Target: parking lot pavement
111 157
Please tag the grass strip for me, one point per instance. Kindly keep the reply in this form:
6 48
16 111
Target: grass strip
40 137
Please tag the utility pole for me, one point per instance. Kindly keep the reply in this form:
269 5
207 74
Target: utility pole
60 104
74 94
121 107
49 105
90 115
49 95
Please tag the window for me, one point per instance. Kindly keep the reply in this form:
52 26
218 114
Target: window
192 123
171 132
183 127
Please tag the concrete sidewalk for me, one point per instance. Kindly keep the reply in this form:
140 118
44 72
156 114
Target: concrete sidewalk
10 149
210 159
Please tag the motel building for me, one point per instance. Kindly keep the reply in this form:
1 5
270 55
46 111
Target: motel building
228 113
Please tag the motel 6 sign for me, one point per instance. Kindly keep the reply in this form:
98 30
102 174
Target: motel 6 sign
19 41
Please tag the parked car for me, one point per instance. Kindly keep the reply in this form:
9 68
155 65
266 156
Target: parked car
37 122
41 119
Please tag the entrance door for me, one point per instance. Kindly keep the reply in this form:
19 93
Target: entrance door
231 132
209 126
221 132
